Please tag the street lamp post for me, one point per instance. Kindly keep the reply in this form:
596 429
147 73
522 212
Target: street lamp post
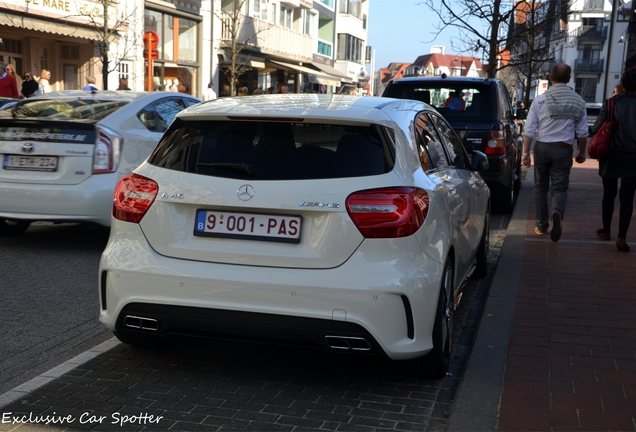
623 42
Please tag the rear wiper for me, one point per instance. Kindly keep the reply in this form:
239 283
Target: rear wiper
248 168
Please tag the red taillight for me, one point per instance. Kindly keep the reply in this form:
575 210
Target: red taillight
133 197
496 142
107 151
389 212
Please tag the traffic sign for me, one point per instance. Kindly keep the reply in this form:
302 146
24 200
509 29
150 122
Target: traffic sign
151 39
154 53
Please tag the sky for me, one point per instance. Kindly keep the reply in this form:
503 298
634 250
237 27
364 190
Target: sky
402 30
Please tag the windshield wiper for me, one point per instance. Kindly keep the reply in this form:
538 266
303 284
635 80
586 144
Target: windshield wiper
248 168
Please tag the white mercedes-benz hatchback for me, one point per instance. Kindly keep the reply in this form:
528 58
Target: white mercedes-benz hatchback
348 223
63 153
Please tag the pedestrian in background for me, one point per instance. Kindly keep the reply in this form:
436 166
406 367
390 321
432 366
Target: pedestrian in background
45 86
225 91
30 86
282 88
619 162
123 84
209 93
8 85
18 80
91 84
555 119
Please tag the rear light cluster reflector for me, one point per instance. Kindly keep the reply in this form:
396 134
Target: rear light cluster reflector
388 212
496 143
107 151
133 197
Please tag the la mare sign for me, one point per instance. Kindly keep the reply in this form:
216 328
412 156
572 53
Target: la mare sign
88 9
60 5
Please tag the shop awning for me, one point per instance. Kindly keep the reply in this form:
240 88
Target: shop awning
254 62
313 75
332 71
48 27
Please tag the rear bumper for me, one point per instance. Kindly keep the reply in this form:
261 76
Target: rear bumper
89 201
390 304
498 175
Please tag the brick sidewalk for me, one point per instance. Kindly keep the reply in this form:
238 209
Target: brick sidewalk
571 362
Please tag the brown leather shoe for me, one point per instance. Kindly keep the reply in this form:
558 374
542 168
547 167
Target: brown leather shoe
603 235
622 245
538 231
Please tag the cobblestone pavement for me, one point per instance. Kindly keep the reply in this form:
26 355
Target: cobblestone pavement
201 385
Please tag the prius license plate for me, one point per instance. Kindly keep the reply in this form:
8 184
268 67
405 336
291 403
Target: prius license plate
248 226
30 163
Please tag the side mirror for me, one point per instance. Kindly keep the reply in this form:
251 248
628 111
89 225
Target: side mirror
479 161
522 114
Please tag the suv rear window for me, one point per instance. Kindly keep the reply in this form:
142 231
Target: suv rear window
260 150
455 101
78 109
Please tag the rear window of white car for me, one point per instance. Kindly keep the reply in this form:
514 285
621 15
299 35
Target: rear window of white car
53 109
263 150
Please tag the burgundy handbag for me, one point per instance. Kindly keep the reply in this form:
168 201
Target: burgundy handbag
600 142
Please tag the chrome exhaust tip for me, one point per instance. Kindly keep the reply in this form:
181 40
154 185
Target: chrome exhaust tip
348 343
141 323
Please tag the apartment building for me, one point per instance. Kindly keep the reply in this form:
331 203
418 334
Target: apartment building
593 41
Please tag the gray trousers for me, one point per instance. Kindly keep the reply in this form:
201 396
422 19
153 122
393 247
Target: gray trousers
552 165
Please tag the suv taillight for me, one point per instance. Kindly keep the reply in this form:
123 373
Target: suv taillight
496 143
107 151
388 212
134 195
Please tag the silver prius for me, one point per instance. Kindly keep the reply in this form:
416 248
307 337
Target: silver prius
343 222
63 153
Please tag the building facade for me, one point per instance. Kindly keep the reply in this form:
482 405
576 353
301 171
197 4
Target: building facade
290 42
592 39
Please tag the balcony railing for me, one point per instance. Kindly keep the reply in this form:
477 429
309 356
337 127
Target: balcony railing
589 65
268 37
591 33
558 35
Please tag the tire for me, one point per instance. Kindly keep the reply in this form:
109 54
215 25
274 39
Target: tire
506 197
11 228
437 361
481 265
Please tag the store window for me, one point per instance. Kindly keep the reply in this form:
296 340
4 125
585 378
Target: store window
176 67
187 51
154 21
11 53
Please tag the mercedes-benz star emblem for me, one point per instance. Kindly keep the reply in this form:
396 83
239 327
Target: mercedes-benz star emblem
28 148
245 192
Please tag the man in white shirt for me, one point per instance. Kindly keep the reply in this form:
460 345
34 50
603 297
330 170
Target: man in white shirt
554 120
209 93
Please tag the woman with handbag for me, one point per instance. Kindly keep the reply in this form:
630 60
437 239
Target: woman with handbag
619 162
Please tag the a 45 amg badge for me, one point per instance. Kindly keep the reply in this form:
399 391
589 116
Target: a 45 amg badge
318 204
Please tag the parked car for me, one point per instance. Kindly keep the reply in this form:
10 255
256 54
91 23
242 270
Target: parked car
343 222
593 110
63 153
480 111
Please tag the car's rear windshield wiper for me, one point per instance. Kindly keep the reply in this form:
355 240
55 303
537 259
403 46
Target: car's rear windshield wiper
248 168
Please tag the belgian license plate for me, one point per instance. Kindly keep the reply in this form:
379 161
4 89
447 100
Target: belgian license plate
249 226
30 163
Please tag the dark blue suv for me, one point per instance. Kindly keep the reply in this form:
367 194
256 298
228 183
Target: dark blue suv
480 111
